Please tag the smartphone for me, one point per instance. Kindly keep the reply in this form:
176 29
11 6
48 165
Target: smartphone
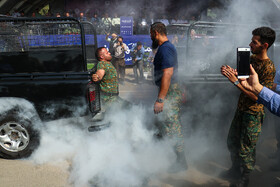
243 62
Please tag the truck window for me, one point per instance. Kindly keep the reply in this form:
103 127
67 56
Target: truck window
40 46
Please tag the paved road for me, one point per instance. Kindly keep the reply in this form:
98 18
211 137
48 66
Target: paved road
145 93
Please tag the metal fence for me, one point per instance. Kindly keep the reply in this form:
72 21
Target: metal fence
24 34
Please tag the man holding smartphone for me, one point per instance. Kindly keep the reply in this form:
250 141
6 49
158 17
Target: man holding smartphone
246 125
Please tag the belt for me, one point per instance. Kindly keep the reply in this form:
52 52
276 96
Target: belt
109 94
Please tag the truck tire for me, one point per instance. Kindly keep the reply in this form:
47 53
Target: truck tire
18 138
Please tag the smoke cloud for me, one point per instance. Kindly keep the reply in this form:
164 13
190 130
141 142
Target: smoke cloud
125 154
211 106
7 104
22 109
236 21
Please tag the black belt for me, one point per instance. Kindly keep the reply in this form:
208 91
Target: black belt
109 94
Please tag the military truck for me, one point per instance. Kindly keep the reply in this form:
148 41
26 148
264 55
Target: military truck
43 76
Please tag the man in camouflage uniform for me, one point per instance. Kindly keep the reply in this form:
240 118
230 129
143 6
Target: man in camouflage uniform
246 125
106 75
169 95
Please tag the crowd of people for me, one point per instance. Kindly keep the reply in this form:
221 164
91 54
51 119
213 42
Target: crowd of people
117 48
105 23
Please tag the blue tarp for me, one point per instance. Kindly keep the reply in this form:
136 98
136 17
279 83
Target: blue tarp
53 40
75 39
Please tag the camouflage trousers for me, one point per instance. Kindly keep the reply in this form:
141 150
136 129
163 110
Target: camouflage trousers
169 120
243 136
108 101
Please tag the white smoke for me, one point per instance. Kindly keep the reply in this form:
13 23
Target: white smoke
7 104
211 106
21 108
236 21
53 108
248 11
125 154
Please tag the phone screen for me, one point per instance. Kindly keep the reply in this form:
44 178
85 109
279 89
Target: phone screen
243 62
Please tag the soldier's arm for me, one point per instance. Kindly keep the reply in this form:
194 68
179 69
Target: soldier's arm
165 82
231 75
248 93
98 76
107 37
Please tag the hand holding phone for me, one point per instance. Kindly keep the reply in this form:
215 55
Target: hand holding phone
243 62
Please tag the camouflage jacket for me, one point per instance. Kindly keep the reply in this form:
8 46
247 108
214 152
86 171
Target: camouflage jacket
266 71
109 82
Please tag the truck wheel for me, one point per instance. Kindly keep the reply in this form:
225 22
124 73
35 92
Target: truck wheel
18 138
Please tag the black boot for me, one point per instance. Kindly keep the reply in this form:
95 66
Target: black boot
234 173
180 164
243 181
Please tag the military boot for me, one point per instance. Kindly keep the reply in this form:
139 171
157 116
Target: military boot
243 181
233 173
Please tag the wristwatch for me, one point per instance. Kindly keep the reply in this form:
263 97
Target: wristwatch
160 100
236 83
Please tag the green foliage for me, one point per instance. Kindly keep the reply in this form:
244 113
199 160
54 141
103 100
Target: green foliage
44 10
89 66
71 30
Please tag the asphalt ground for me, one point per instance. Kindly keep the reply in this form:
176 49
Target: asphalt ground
143 93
